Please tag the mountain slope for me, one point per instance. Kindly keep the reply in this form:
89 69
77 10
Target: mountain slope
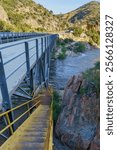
88 12
85 22
27 16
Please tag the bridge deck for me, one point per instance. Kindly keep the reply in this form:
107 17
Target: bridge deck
33 133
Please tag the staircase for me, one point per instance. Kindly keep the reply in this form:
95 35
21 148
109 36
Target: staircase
36 132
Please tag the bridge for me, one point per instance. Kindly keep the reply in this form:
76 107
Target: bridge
25 95
6 37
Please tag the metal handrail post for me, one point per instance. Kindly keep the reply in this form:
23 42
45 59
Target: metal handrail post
45 60
29 72
37 64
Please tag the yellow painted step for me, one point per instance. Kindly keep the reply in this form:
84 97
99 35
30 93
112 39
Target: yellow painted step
31 135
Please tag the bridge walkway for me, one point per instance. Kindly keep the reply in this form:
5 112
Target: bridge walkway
36 132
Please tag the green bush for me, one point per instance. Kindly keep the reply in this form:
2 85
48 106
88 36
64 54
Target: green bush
77 31
94 35
2 25
62 55
67 40
15 18
79 47
6 27
97 65
24 27
91 42
92 77
60 42
56 106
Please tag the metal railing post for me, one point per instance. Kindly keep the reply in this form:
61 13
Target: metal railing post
40 68
48 44
29 72
36 84
37 50
27 59
45 61
42 46
42 60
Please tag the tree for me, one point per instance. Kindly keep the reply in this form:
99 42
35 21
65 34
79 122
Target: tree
51 12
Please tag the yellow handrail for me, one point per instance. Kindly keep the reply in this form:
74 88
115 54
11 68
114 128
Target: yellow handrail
11 110
2 114
48 142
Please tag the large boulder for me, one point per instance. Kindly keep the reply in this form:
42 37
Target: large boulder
79 119
95 144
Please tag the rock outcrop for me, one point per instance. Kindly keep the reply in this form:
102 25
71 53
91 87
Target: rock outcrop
3 15
78 123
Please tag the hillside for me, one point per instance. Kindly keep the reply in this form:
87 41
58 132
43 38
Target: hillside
84 22
27 16
89 12
21 15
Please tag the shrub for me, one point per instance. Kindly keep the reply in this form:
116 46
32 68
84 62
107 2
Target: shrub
67 40
62 55
92 77
15 18
56 106
94 35
26 28
2 24
77 31
60 42
97 65
79 47
91 42
6 27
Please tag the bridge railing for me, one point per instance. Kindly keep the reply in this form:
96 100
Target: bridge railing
49 138
6 37
27 59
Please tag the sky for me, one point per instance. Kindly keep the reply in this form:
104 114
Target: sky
62 6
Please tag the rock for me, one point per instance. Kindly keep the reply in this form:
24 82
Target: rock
72 88
58 145
95 144
3 14
77 123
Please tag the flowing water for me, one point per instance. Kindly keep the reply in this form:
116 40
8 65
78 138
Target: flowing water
62 70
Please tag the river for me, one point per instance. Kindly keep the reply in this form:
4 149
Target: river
62 70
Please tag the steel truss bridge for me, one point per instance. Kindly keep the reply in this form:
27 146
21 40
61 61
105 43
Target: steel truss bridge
24 78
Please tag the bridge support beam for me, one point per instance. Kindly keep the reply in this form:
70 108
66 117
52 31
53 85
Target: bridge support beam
37 76
3 85
6 103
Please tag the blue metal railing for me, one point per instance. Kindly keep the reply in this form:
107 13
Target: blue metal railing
6 37
18 58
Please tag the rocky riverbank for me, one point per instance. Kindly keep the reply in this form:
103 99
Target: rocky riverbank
68 47
77 126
